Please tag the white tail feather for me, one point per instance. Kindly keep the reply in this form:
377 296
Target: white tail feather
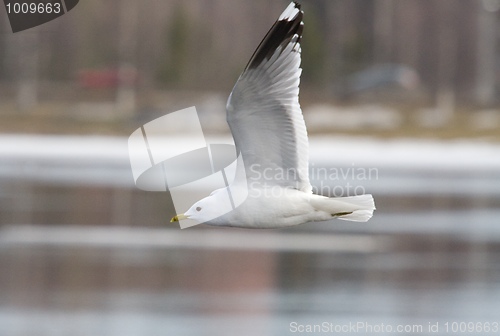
364 204
354 208
358 216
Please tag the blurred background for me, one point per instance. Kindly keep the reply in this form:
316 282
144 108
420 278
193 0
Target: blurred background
406 90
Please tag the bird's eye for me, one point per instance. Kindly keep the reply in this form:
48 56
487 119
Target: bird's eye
198 208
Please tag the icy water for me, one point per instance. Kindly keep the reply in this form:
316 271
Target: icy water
95 257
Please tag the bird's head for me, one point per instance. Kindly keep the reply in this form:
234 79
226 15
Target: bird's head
202 211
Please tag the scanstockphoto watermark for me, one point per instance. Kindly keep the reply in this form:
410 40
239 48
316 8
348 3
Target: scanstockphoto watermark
365 328
160 164
328 181
358 327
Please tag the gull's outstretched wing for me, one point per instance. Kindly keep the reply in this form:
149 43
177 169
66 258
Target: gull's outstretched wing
263 109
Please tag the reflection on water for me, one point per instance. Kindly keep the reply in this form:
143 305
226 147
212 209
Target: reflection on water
423 258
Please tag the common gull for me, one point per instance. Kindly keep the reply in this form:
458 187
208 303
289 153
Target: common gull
264 115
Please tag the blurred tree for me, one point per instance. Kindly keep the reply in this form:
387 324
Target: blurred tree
97 36
126 95
313 49
175 63
447 59
355 52
59 55
487 54
28 48
383 30
6 45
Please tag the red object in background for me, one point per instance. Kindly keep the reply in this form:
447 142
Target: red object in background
107 78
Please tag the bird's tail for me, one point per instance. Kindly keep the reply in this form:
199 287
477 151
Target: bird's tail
354 208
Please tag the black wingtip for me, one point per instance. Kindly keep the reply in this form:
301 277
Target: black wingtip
281 33
297 5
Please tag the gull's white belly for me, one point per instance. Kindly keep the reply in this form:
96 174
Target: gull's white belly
272 207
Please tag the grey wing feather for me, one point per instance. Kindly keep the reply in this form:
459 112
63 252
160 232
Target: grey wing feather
263 110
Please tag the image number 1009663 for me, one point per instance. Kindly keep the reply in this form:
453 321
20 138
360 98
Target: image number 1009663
25 14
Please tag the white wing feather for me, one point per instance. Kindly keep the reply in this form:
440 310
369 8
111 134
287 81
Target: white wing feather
263 110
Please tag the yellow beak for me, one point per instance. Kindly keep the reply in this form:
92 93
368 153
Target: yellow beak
177 218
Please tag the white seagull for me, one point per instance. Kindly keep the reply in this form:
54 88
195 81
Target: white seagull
270 135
